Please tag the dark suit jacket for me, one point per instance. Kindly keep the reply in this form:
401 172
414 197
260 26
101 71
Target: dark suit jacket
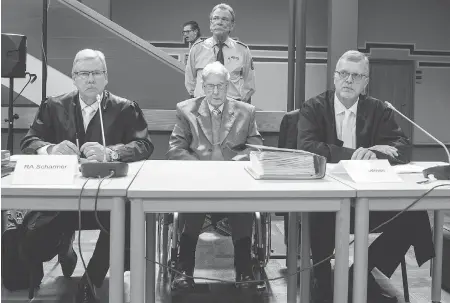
191 138
375 125
59 118
288 130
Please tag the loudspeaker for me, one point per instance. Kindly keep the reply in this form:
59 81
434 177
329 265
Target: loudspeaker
14 55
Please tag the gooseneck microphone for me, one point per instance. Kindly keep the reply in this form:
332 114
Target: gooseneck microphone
103 169
99 101
441 172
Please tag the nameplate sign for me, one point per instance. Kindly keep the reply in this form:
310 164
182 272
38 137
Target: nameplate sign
45 170
367 171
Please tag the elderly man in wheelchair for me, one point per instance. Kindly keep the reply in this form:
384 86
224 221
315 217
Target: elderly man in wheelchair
214 127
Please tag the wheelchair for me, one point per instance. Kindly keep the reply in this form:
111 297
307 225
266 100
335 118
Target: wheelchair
169 231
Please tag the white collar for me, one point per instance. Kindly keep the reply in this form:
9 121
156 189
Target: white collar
340 108
94 105
211 108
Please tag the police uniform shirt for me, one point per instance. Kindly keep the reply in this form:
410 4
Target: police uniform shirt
238 61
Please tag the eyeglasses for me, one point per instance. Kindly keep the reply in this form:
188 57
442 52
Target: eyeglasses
344 75
97 74
220 87
217 18
187 32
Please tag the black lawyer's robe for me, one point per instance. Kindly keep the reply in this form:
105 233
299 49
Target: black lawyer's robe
59 118
375 125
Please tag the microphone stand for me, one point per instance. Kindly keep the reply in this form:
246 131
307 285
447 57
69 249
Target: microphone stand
11 117
440 172
103 169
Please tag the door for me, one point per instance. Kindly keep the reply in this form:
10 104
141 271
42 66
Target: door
393 81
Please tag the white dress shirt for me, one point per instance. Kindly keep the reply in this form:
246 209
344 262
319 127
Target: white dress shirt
87 112
345 122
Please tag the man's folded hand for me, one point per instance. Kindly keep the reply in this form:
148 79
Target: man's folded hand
363 154
64 148
385 149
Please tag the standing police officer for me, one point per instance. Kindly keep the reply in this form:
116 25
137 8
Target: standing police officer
234 55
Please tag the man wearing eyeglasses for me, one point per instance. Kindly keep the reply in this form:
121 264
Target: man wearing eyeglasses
234 55
214 127
191 32
69 124
345 124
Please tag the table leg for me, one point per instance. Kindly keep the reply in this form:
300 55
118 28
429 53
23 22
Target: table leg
292 258
361 250
436 280
165 245
305 258
150 227
341 258
137 251
117 250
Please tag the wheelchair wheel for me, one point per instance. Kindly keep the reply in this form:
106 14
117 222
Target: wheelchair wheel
261 248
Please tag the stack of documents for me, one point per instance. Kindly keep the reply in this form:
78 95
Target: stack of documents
278 163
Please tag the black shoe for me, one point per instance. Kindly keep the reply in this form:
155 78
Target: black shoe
67 256
85 294
181 282
376 294
243 263
186 265
244 280
322 291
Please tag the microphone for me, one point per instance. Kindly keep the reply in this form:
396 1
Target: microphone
103 169
441 172
33 77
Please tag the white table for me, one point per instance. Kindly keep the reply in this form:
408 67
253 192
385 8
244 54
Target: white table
395 197
111 198
210 186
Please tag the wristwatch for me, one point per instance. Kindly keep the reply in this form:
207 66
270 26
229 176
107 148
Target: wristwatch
114 155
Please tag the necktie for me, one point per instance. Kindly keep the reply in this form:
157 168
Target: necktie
216 119
220 53
88 114
347 129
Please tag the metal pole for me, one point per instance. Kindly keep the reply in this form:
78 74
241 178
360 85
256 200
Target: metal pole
291 57
300 53
44 49
9 145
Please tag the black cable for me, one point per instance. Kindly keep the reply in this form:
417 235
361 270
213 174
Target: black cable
312 266
79 238
95 204
29 80
98 222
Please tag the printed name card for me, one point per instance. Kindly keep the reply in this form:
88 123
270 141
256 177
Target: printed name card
45 170
368 171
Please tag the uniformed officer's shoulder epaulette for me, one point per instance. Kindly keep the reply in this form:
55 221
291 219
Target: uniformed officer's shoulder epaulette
241 43
200 40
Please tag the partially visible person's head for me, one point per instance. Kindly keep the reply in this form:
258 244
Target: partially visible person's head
351 75
222 20
191 31
215 83
89 73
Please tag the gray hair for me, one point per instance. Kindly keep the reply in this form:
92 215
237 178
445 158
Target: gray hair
216 68
225 7
88 54
355 56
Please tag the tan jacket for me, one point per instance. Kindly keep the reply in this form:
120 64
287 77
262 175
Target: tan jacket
191 138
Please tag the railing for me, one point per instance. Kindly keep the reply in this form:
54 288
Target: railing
157 119
124 34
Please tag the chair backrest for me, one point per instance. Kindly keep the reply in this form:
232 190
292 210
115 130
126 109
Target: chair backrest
288 130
